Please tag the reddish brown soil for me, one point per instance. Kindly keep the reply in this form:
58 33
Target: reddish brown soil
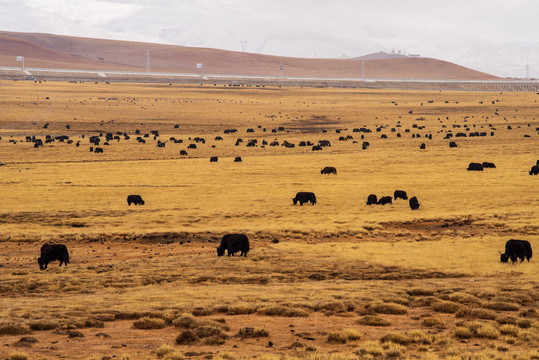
46 50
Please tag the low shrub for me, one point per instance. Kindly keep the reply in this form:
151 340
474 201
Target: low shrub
393 350
524 323
42 325
442 340
250 332
501 306
463 298
147 323
188 321
241 309
508 329
18 355
397 338
446 307
202 312
487 331
370 348
164 350
477 329
380 307
373 320
420 292
343 336
433 322
462 332
506 320
11 328
282 311
211 335
186 337
476 313
420 337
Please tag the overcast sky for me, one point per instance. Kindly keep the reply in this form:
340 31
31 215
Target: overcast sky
495 36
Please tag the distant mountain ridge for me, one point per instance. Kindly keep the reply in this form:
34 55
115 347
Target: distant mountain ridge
56 51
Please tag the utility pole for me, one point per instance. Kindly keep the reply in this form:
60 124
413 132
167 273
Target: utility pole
147 61
281 69
363 68
21 58
243 45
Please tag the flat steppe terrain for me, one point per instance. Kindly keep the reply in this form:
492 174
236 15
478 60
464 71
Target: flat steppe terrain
336 280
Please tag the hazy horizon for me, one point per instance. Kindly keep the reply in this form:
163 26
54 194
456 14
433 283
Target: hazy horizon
491 37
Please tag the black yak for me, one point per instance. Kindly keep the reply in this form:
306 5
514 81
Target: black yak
328 170
385 200
400 194
134 199
414 204
475 167
233 243
53 252
304 197
372 199
516 249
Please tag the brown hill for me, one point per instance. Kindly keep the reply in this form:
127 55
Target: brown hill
47 50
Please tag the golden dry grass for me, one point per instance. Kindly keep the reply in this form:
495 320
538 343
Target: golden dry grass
337 264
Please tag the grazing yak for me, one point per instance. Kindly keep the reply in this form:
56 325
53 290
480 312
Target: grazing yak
475 167
516 249
385 200
488 165
534 170
237 159
135 199
414 204
53 252
400 194
213 159
328 170
233 243
372 199
304 197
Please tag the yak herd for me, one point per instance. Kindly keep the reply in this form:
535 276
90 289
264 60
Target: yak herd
232 243
372 199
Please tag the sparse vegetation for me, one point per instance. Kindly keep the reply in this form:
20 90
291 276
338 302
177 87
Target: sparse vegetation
393 350
343 336
11 328
370 348
338 264
249 332
447 307
380 307
372 320
18 355
147 323
168 352
283 311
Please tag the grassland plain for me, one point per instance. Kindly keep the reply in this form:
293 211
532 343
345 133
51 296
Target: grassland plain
145 282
